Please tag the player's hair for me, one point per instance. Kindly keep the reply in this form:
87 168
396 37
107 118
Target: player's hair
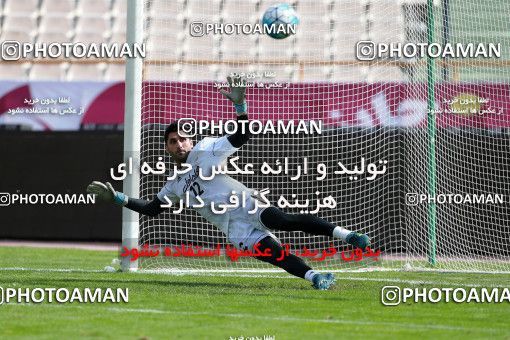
173 127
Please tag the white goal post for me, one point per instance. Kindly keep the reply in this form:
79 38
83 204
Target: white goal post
132 129
440 124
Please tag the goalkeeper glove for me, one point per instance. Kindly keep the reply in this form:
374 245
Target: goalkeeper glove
105 192
237 95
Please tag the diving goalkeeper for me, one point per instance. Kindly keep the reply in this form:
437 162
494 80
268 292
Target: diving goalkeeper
242 229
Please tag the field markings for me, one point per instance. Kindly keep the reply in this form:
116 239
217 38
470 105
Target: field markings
406 326
275 275
339 276
51 270
300 320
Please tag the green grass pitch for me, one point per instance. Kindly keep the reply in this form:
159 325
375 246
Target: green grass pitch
165 306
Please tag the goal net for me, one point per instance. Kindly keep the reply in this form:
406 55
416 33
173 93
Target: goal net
416 147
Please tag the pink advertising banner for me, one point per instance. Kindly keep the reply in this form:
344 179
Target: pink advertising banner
69 105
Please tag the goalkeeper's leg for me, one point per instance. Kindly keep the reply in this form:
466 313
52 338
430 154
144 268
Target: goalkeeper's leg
293 264
276 219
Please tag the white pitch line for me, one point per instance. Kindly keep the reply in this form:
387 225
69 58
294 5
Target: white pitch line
51 270
338 277
347 278
277 276
418 282
294 319
271 318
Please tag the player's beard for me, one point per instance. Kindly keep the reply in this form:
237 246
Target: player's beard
182 158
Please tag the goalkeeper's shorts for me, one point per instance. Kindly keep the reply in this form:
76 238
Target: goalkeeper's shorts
246 230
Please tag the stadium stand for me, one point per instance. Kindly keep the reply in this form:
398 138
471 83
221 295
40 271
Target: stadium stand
343 24
58 6
104 21
86 72
48 72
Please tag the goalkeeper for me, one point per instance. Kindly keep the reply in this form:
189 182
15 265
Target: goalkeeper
244 230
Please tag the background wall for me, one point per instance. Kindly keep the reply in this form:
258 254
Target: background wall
66 162
58 162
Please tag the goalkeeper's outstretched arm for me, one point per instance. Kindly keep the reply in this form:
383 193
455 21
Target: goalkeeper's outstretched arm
241 136
105 192
237 96
148 208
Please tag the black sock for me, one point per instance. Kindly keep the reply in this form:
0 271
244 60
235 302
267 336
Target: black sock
274 218
290 263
